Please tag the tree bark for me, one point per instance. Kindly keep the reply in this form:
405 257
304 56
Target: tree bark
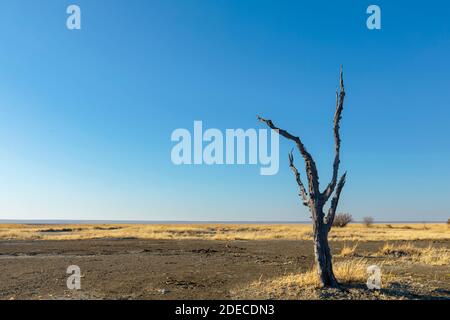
322 252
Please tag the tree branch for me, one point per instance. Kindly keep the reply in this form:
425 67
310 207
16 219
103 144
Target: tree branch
311 169
334 202
337 139
303 193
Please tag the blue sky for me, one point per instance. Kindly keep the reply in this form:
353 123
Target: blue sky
86 116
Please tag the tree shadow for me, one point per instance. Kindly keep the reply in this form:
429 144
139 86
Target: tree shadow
395 291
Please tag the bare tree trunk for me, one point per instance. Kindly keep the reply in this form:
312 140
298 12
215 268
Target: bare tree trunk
322 254
313 198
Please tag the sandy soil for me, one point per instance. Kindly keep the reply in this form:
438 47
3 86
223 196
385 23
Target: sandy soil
180 269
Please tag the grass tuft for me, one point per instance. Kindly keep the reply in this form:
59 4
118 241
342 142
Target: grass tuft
435 256
349 251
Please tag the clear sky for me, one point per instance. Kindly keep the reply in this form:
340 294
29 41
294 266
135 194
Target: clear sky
86 116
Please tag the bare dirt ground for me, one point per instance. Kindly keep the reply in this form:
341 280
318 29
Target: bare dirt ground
195 269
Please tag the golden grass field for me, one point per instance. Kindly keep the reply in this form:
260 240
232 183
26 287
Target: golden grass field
269 261
353 232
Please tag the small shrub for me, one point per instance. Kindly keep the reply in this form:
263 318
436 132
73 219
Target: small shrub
349 251
342 219
368 221
399 250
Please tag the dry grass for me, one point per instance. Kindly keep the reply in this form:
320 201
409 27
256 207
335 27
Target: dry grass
354 232
435 256
352 271
349 251
349 270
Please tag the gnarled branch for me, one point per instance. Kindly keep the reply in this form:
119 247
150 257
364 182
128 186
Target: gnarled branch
311 169
334 202
302 193
337 139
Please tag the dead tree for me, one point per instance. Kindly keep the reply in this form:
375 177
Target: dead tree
314 199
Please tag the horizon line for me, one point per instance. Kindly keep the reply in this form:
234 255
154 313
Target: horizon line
101 221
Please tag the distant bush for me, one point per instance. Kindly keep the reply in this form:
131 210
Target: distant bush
368 221
448 222
342 219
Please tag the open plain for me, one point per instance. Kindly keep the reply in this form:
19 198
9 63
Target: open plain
220 261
